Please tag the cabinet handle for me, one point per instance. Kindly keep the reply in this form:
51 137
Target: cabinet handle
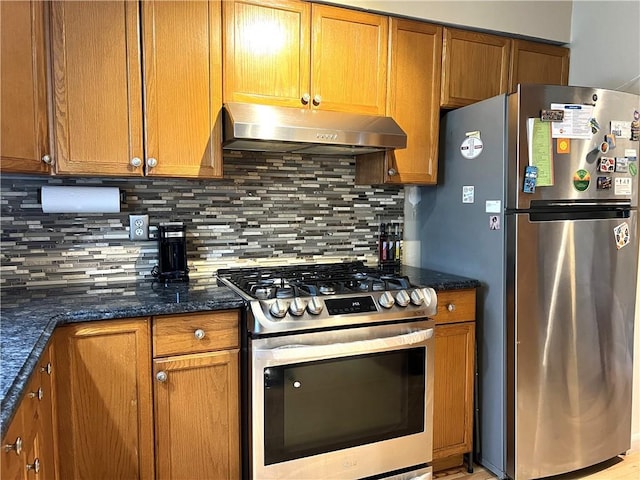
161 376
46 369
135 162
152 162
35 466
37 394
316 100
392 172
47 159
17 446
305 99
199 334
451 307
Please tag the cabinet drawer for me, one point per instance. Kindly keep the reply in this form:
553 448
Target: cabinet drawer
456 306
193 333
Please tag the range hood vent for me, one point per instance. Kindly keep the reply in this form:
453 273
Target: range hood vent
264 128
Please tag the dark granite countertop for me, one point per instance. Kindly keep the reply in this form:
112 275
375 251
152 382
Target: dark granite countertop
28 317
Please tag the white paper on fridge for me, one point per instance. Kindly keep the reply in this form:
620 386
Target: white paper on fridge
576 123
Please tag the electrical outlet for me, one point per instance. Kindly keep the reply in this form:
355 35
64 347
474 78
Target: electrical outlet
138 227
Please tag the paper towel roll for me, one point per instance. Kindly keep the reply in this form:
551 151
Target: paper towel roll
80 199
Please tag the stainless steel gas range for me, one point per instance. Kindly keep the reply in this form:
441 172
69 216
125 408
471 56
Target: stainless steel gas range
338 372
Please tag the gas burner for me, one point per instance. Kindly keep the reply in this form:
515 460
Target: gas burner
327 290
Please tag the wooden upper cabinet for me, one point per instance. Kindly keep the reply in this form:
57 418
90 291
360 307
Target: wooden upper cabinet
182 43
294 53
24 120
413 100
533 62
349 60
98 88
267 51
475 66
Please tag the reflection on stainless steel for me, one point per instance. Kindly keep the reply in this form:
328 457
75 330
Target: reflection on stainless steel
268 128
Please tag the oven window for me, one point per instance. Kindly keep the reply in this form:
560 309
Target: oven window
328 405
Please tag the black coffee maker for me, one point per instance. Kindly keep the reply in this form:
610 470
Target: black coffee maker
172 253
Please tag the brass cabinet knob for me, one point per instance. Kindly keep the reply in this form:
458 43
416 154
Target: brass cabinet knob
451 307
47 159
161 376
199 334
135 162
316 100
305 98
152 162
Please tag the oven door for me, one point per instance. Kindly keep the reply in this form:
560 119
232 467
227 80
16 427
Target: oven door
342 404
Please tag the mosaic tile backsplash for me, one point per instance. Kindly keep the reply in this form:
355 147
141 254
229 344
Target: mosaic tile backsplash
268 208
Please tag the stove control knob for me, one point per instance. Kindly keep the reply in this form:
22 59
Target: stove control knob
278 309
386 300
402 298
315 306
297 307
417 297
430 298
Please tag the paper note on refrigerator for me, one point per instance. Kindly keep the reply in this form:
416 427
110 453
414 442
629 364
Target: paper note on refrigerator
576 122
541 150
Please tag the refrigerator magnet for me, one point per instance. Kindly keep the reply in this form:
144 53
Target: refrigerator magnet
530 179
622 235
622 186
631 154
622 165
633 169
604 147
607 164
494 222
563 145
611 140
581 180
468 193
604 183
471 146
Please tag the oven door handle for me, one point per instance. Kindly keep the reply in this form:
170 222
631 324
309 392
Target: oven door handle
304 352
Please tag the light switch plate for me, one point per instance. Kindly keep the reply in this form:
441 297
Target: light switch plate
138 227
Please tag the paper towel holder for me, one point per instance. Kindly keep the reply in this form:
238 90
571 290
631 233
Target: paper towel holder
80 199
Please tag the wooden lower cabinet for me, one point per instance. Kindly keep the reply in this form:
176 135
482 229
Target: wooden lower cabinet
197 417
103 400
28 445
454 378
196 396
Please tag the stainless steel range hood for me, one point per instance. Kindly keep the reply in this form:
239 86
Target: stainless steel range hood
265 128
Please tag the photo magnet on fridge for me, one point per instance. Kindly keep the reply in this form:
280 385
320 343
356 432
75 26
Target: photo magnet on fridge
530 179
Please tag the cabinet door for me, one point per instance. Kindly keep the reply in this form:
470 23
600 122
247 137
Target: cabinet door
453 389
183 87
349 60
104 402
97 87
413 100
533 62
24 124
475 66
266 51
197 416
13 451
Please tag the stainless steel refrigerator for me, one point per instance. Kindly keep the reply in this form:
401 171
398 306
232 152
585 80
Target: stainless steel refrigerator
557 257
